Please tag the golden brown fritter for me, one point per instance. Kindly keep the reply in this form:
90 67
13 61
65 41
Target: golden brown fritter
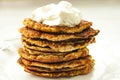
88 33
43 69
59 29
65 69
61 74
59 65
59 48
33 55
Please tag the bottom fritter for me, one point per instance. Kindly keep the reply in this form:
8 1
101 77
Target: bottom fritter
82 71
60 69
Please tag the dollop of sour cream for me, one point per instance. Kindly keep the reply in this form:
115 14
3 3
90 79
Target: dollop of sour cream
61 14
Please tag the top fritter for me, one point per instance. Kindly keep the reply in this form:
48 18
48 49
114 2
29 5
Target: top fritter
57 18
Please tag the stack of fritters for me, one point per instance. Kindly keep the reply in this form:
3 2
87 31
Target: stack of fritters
56 51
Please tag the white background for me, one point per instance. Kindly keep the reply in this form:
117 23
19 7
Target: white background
105 15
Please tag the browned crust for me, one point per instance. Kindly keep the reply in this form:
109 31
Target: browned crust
33 55
27 32
59 49
59 29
